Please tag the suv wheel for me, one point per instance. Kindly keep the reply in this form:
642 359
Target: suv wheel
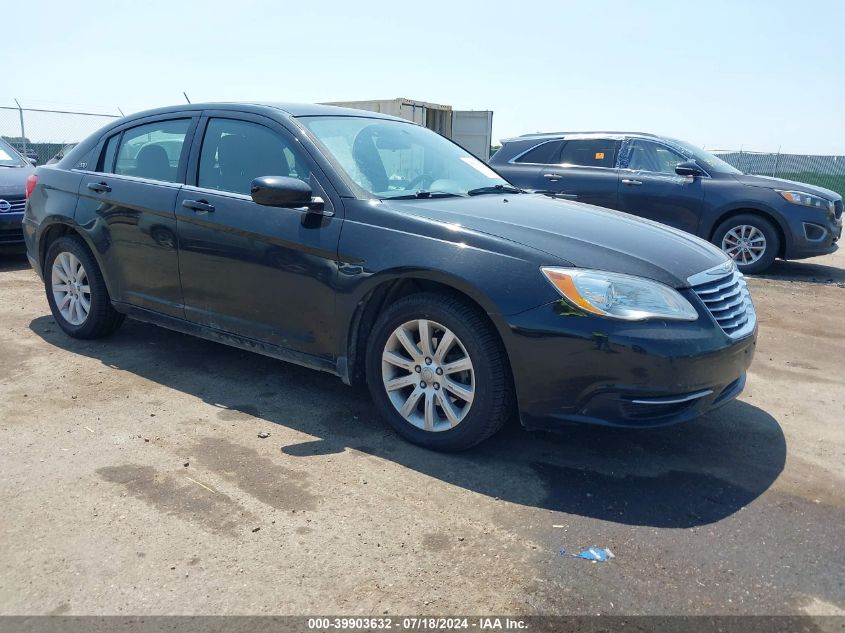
751 241
76 291
438 373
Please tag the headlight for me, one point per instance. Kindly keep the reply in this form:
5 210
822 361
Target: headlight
619 296
807 200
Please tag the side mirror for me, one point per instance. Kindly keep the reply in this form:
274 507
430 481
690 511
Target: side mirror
285 192
32 161
688 168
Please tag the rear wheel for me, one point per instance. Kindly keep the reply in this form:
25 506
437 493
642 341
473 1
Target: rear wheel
77 292
438 373
750 240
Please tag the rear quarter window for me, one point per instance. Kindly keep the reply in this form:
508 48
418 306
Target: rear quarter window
546 153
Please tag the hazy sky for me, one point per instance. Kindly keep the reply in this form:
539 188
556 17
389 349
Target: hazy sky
758 75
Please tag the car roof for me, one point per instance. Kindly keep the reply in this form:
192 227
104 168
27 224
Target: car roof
582 134
290 109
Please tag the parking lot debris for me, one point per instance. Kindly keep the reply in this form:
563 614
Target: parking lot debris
255 529
186 464
264 435
595 554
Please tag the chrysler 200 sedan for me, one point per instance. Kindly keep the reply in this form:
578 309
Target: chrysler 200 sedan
374 249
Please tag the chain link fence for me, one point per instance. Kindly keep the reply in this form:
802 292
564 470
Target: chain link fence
823 171
42 134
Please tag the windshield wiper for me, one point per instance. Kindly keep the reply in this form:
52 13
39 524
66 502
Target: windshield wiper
425 194
494 189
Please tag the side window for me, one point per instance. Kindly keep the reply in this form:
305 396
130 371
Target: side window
544 154
648 156
106 163
236 152
590 152
152 150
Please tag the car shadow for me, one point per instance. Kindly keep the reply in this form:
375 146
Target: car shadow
9 263
804 271
681 476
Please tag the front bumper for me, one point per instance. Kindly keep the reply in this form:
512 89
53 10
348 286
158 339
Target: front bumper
11 232
813 232
573 368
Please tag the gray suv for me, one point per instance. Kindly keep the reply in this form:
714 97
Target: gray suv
754 219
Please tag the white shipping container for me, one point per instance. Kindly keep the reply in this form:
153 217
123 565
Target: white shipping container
472 129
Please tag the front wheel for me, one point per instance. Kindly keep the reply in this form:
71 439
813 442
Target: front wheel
751 241
438 372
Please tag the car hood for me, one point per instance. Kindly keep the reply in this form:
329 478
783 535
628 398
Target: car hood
13 180
578 234
766 182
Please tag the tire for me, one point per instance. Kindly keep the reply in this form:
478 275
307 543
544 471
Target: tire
748 225
487 380
101 319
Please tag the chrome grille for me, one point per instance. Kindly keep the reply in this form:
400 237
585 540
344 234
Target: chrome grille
724 293
15 204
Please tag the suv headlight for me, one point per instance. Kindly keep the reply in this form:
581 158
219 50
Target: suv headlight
619 296
806 199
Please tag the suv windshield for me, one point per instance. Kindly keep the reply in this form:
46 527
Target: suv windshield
711 163
392 159
9 157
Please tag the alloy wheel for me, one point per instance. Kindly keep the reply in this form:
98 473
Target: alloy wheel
745 244
428 375
70 287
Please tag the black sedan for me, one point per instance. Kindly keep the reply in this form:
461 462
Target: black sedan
15 171
374 249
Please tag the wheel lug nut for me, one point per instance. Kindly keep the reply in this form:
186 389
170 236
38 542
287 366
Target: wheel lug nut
439 371
436 386
428 361
417 369
422 385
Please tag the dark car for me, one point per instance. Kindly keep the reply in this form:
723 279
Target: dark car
14 171
754 219
374 249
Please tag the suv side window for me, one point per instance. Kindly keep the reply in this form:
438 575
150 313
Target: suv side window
544 154
649 156
590 152
152 150
236 152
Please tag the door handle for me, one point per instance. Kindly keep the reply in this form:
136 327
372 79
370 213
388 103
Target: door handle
568 196
630 181
99 187
200 206
552 177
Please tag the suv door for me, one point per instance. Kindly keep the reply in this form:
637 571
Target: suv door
650 188
586 171
266 273
131 193
526 168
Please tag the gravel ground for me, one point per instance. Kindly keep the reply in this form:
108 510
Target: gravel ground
133 481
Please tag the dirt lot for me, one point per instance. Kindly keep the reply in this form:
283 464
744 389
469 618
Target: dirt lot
132 480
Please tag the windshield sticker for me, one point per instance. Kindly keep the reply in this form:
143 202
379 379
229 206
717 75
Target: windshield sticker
599 155
476 164
4 155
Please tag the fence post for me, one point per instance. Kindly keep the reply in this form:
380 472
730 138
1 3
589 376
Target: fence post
777 160
23 131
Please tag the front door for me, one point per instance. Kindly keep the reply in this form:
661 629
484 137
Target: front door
650 188
262 272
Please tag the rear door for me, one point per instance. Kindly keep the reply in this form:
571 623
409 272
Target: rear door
526 168
586 171
130 198
650 188
266 273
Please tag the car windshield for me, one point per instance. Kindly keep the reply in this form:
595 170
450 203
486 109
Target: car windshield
9 157
391 159
711 163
